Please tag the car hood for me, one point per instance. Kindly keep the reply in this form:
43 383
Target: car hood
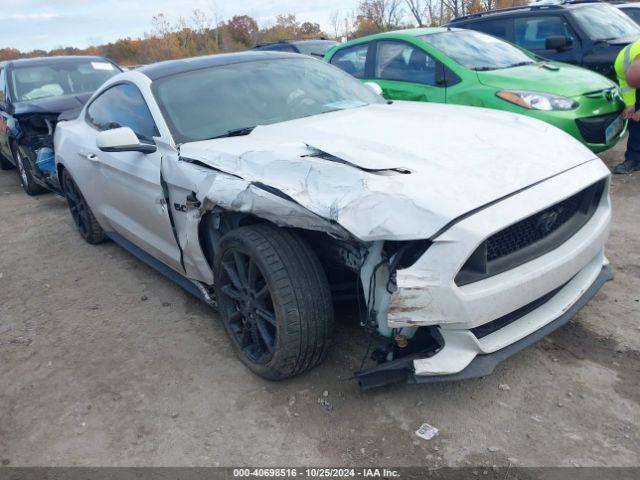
401 171
556 78
51 105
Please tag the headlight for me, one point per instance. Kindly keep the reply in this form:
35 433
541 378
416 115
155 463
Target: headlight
537 101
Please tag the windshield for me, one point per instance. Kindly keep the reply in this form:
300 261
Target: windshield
59 78
604 22
476 50
215 101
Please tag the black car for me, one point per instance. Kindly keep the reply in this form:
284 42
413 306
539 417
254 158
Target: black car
33 93
316 48
631 9
585 33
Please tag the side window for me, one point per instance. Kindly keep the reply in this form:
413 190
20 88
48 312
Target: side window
2 87
404 62
352 59
497 28
122 106
532 32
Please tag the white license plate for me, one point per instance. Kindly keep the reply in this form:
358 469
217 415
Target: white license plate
614 129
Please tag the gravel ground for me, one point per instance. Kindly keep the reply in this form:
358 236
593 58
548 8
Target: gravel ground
105 362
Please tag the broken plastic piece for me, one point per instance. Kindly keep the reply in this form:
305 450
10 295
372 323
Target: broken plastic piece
45 161
426 431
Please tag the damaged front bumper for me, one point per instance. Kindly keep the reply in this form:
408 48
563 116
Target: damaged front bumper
480 323
409 368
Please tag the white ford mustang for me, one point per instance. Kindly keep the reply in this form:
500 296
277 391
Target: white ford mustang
271 184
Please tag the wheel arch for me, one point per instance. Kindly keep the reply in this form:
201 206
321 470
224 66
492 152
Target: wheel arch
339 259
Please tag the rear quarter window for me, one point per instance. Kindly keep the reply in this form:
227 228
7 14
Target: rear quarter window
352 59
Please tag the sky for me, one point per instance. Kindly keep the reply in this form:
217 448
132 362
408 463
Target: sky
47 24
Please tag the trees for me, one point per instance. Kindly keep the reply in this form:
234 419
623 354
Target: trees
243 30
201 35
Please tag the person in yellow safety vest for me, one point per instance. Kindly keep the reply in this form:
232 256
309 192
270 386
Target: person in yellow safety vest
631 112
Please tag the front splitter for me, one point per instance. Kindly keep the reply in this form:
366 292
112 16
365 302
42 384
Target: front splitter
401 370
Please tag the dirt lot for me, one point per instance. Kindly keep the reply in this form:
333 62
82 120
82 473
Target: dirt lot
105 362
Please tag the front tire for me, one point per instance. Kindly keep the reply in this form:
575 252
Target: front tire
86 223
27 181
274 299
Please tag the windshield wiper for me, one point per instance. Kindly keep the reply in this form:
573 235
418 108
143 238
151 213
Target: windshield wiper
520 64
236 132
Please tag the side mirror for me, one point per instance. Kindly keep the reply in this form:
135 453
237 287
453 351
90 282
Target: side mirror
122 139
377 89
557 43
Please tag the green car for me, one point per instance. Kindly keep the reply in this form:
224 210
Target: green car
465 67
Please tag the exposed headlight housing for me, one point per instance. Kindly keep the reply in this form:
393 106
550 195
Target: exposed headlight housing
537 100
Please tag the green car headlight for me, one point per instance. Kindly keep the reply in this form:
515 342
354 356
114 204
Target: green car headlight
537 100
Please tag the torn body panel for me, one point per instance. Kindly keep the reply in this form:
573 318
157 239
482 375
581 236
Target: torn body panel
195 189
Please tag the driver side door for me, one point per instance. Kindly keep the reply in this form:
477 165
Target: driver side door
406 72
131 196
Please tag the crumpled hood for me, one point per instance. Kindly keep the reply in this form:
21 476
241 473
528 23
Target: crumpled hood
346 166
555 78
52 105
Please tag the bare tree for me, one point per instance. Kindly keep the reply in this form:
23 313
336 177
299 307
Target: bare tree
160 25
489 4
384 14
417 10
334 20
200 20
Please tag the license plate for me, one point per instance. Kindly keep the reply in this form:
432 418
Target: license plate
614 129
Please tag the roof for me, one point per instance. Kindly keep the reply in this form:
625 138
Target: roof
535 7
418 32
49 60
409 32
173 67
293 42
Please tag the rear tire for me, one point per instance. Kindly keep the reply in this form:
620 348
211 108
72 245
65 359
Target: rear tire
27 181
274 299
82 215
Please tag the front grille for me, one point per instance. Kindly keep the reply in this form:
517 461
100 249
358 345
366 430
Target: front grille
532 237
532 229
593 129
